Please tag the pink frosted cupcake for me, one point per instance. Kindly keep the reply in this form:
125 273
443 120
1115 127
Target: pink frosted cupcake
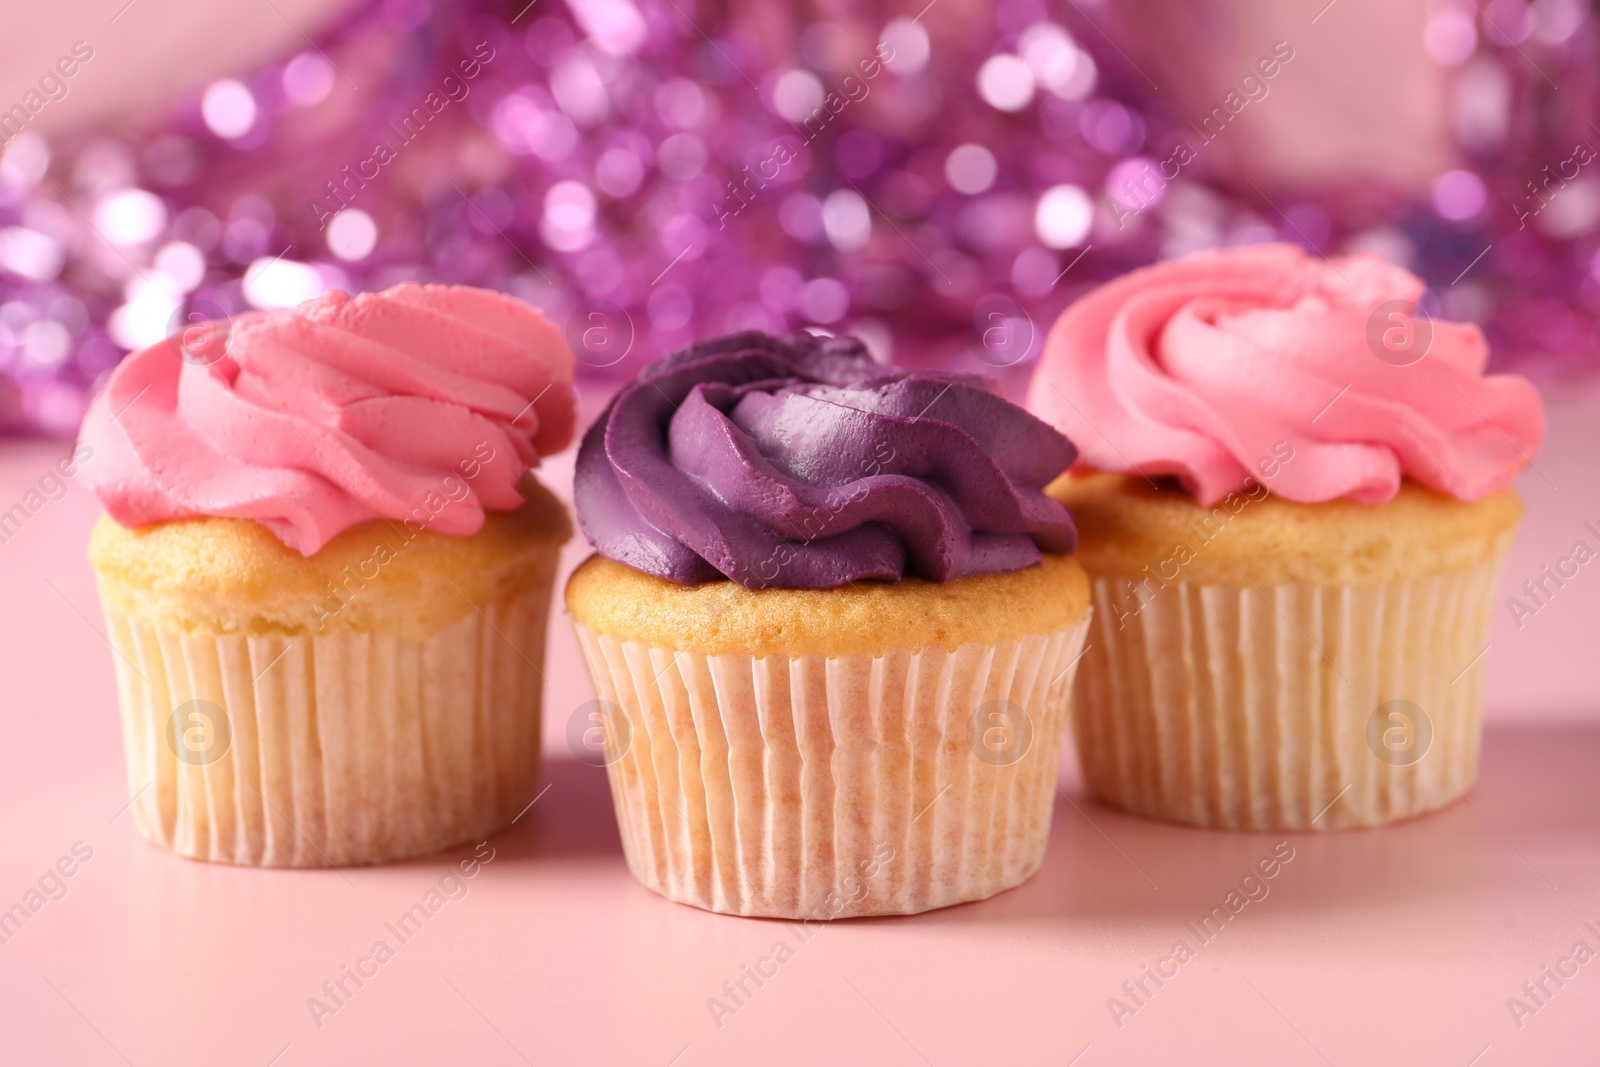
326 573
1294 539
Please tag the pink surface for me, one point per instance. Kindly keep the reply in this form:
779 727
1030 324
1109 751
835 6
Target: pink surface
1392 946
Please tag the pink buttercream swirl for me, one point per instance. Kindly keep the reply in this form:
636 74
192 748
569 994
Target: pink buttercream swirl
1216 367
344 410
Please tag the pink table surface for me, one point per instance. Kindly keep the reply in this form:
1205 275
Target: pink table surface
1394 946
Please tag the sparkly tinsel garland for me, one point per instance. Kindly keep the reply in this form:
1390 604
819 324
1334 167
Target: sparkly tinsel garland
652 170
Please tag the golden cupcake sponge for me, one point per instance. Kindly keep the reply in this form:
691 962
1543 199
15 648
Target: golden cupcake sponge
1129 528
864 618
234 576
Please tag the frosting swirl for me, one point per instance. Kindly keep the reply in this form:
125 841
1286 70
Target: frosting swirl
1267 363
423 403
799 462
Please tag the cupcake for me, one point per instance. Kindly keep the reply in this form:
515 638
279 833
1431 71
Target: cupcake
1293 497
326 572
831 624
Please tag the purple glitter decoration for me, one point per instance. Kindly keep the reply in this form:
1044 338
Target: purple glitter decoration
652 171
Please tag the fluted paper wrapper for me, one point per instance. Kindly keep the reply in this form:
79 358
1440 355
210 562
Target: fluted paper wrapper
1268 707
825 787
334 748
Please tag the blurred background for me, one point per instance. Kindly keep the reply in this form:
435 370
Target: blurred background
939 177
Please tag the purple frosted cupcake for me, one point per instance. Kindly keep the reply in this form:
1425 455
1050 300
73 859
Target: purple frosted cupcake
831 626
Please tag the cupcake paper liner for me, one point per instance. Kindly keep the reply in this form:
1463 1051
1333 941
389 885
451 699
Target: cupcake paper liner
313 750
821 787
1292 707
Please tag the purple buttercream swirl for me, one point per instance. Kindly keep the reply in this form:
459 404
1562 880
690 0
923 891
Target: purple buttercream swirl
799 462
